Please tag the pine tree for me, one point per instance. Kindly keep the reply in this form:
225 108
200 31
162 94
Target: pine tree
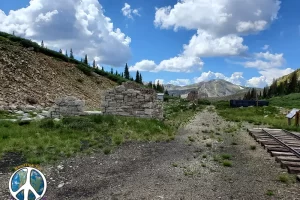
102 68
81 60
141 79
166 92
137 77
150 84
126 72
42 44
131 79
71 54
86 59
67 53
292 87
122 74
116 72
60 51
111 71
265 92
94 64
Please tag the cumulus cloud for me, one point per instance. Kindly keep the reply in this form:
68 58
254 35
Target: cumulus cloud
179 63
127 11
220 24
80 25
266 61
219 17
205 44
180 82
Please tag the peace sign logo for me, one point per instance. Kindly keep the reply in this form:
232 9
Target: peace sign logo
27 184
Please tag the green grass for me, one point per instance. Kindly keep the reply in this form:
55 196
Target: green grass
287 178
226 156
45 141
227 163
254 115
287 101
270 193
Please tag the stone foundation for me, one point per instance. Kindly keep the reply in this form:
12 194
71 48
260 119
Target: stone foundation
67 106
129 99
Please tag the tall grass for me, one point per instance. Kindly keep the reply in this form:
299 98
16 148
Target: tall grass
47 141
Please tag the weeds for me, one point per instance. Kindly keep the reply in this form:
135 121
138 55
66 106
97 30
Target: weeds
226 156
227 163
270 193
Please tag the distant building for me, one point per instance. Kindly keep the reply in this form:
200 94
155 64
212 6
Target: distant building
192 96
160 96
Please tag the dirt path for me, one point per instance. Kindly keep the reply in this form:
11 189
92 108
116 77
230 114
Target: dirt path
186 168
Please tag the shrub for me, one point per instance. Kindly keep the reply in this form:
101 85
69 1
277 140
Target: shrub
204 102
227 163
78 123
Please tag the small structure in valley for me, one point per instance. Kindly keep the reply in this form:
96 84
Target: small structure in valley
130 99
192 95
160 96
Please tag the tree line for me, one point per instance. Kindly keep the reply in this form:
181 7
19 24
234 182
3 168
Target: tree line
126 75
288 86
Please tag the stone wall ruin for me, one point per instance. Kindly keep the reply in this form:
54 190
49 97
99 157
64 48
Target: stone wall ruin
129 99
67 106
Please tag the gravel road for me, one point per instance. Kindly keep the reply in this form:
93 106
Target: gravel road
186 168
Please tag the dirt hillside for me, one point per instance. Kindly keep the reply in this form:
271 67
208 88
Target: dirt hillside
29 76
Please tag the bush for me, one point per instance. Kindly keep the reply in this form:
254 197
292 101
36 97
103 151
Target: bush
204 102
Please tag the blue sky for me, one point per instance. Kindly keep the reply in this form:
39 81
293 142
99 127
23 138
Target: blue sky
247 42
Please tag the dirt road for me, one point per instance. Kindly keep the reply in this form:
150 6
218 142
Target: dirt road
188 168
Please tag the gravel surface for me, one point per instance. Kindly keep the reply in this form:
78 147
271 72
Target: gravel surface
184 168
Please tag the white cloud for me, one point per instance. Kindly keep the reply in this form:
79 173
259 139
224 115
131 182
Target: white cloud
180 82
179 63
251 26
220 17
268 61
204 44
265 47
80 25
259 82
127 11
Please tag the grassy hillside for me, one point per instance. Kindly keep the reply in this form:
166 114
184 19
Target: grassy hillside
287 77
286 101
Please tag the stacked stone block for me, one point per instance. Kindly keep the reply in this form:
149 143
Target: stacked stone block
138 102
67 106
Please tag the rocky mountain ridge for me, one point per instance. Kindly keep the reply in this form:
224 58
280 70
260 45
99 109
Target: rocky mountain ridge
212 88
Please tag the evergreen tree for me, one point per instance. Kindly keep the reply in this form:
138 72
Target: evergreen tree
60 51
122 75
137 77
116 72
292 87
67 53
126 72
81 60
131 79
111 71
166 92
42 44
94 64
86 59
102 68
265 92
71 54
150 84
141 79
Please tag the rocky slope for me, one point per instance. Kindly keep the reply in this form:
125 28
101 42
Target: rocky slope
28 77
212 88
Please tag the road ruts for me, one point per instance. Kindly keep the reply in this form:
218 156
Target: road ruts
281 144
